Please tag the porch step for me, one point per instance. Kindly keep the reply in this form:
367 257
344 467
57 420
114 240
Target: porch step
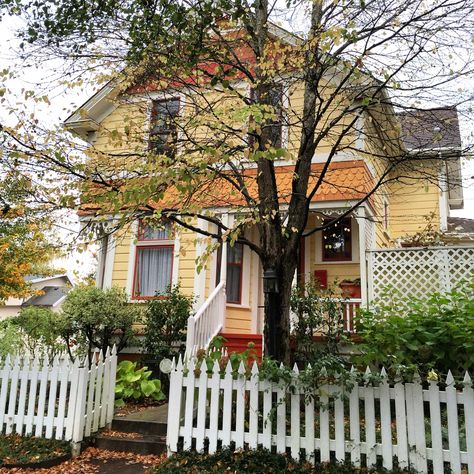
142 432
132 443
153 428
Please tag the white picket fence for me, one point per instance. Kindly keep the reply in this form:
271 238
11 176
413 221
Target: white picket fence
57 399
373 423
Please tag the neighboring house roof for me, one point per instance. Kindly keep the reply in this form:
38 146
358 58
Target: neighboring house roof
460 225
40 278
51 296
431 129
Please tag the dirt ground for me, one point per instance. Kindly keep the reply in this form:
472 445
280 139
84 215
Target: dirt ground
98 461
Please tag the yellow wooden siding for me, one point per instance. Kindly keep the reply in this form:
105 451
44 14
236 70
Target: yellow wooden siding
123 240
187 256
411 202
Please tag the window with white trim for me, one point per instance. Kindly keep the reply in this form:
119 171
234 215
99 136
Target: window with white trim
235 259
153 261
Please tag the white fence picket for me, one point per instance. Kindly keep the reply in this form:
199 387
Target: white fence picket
436 433
324 423
240 411
42 397
267 388
24 372
201 407
419 425
369 413
15 373
214 408
453 425
189 408
401 423
468 396
53 381
253 408
354 420
63 383
32 397
386 422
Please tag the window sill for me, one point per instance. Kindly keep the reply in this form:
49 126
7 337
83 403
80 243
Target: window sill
336 262
237 306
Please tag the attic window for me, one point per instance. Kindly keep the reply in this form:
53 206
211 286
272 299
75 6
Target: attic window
163 134
275 125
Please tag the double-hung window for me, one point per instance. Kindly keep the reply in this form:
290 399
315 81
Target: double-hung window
235 258
275 125
337 241
164 132
153 262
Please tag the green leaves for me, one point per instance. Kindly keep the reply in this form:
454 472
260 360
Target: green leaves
431 333
135 384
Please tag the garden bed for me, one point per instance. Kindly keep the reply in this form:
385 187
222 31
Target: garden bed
30 452
261 461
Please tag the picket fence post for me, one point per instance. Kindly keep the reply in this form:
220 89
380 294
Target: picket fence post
468 396
78 428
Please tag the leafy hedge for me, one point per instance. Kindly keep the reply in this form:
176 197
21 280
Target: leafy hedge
241 462
434 333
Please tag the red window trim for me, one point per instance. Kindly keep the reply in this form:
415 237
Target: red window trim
338 259
241 265
137 249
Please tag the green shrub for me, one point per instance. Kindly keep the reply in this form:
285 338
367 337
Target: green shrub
321 312
166 320
135 384
41 331
10 338
411 333
96 318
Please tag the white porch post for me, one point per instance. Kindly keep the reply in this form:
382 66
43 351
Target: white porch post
200 278
361 220
226 220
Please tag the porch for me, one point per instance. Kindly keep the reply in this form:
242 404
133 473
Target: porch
232 298
414 272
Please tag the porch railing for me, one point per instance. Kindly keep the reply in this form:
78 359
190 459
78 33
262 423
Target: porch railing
207 322
350 307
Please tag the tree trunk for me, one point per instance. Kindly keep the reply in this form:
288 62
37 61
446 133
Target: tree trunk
277 306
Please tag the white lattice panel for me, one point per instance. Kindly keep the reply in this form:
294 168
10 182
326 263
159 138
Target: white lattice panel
419 271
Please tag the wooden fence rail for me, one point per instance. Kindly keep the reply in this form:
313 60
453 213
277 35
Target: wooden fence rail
57 399
371 424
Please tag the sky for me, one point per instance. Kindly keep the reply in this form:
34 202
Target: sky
63 101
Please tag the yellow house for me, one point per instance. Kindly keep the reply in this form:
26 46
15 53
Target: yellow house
145 261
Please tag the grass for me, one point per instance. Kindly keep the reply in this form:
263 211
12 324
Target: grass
17 450
257 461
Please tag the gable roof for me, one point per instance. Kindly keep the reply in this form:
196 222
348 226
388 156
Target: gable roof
50 297
431 129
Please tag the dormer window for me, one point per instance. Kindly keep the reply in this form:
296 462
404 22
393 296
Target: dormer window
164 132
